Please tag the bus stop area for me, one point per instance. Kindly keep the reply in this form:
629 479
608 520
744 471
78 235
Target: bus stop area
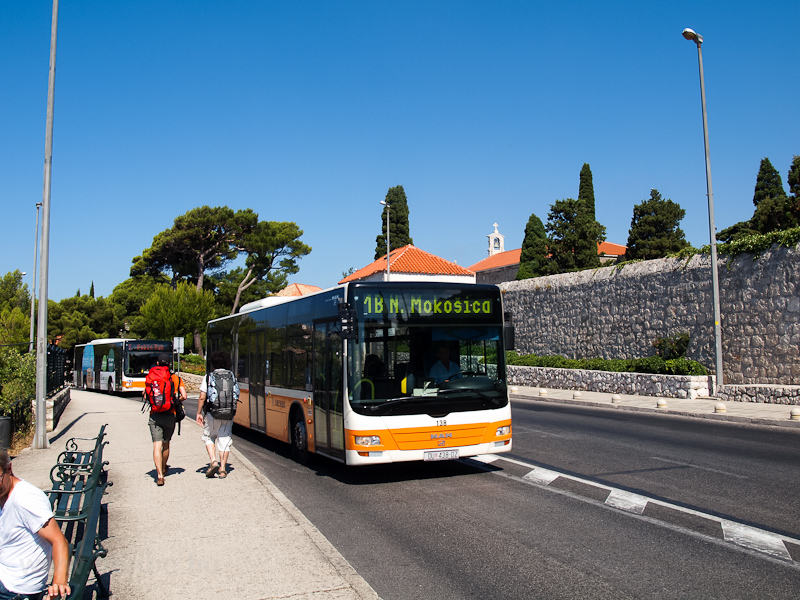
194 537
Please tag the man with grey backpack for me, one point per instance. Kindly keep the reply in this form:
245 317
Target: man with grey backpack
219 395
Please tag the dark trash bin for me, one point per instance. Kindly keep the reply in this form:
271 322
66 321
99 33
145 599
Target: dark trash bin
5 433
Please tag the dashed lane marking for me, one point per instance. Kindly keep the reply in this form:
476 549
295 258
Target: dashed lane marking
744 536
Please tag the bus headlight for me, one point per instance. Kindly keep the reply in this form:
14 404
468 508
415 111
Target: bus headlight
504 430
368 440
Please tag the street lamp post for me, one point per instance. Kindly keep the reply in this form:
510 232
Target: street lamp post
33 285
40 440
388 246
695 37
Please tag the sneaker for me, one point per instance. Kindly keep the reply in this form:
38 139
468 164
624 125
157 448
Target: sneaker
212 470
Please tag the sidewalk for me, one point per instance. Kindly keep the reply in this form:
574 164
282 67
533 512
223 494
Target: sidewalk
753 413
194 537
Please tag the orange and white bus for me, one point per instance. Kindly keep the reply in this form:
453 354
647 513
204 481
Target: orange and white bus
372 372
116 364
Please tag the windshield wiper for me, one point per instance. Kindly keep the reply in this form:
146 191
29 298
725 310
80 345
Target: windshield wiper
447 392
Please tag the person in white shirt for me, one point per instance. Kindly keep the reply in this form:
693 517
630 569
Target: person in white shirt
444 369
30 539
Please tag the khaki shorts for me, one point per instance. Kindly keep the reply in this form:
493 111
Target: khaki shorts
162 426
219 432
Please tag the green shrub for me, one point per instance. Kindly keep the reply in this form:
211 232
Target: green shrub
684 366
672 346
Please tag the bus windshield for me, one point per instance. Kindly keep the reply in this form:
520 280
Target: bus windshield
428 351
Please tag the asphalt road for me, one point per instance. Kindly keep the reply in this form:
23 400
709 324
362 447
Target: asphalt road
463 529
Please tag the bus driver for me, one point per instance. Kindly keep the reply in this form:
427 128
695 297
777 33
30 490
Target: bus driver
444 369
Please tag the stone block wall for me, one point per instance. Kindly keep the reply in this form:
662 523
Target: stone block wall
617 312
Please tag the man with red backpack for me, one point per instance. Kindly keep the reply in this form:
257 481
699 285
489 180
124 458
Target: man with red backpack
162 391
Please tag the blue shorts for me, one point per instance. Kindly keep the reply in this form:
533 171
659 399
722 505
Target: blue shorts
6 595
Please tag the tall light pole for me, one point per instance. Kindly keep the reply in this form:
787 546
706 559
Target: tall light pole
33 285
40 433
695 37
388 246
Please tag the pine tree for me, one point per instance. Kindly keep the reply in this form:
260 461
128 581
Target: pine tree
91 290
768 183
399 230
533 258
655 229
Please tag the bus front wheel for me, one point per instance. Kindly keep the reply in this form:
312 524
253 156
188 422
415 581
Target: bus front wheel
300 451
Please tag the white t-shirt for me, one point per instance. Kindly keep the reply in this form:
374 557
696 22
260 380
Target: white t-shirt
24 556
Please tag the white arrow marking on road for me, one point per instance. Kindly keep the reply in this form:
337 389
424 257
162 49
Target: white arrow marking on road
755 539
627 501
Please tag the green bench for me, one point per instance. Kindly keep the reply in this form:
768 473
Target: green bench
79 481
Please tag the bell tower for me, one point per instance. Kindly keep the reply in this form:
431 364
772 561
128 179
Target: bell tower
496 242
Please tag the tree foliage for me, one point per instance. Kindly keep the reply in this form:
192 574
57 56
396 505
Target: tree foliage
17 376
272 250
204 240
181 311
15 303
533 257
768 183
655 229
399 228
586 190
775 211
573 237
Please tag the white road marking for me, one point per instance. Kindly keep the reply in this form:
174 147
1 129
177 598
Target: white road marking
542 476
485 458
744 536
627 501
683 464
755 539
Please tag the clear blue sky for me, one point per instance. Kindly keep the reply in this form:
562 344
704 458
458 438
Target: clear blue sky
309 111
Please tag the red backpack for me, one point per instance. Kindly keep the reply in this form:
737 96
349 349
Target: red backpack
158 389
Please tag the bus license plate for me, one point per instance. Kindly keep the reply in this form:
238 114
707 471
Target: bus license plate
441 455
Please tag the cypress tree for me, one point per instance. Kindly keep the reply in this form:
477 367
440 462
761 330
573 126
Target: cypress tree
533 258
586 189
399 230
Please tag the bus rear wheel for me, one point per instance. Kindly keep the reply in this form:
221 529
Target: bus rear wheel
300 451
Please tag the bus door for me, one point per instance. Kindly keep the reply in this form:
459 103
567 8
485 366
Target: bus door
258 417
328 400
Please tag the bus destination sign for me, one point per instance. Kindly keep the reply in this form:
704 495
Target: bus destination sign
424 304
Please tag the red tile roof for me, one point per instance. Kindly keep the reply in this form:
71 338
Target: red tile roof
412 260
298 289
611 249
501 259
512 257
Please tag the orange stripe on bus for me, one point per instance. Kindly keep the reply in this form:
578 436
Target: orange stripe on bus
423 438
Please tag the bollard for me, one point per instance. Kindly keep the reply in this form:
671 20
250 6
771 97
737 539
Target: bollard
616 399
543 392
661 403
513 389
577 395
719 407
795 414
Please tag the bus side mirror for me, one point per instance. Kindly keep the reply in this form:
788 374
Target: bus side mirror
508 331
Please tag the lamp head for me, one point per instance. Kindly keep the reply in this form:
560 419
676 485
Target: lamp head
692 35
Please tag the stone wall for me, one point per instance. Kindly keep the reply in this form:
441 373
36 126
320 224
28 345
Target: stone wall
617 312
638 384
